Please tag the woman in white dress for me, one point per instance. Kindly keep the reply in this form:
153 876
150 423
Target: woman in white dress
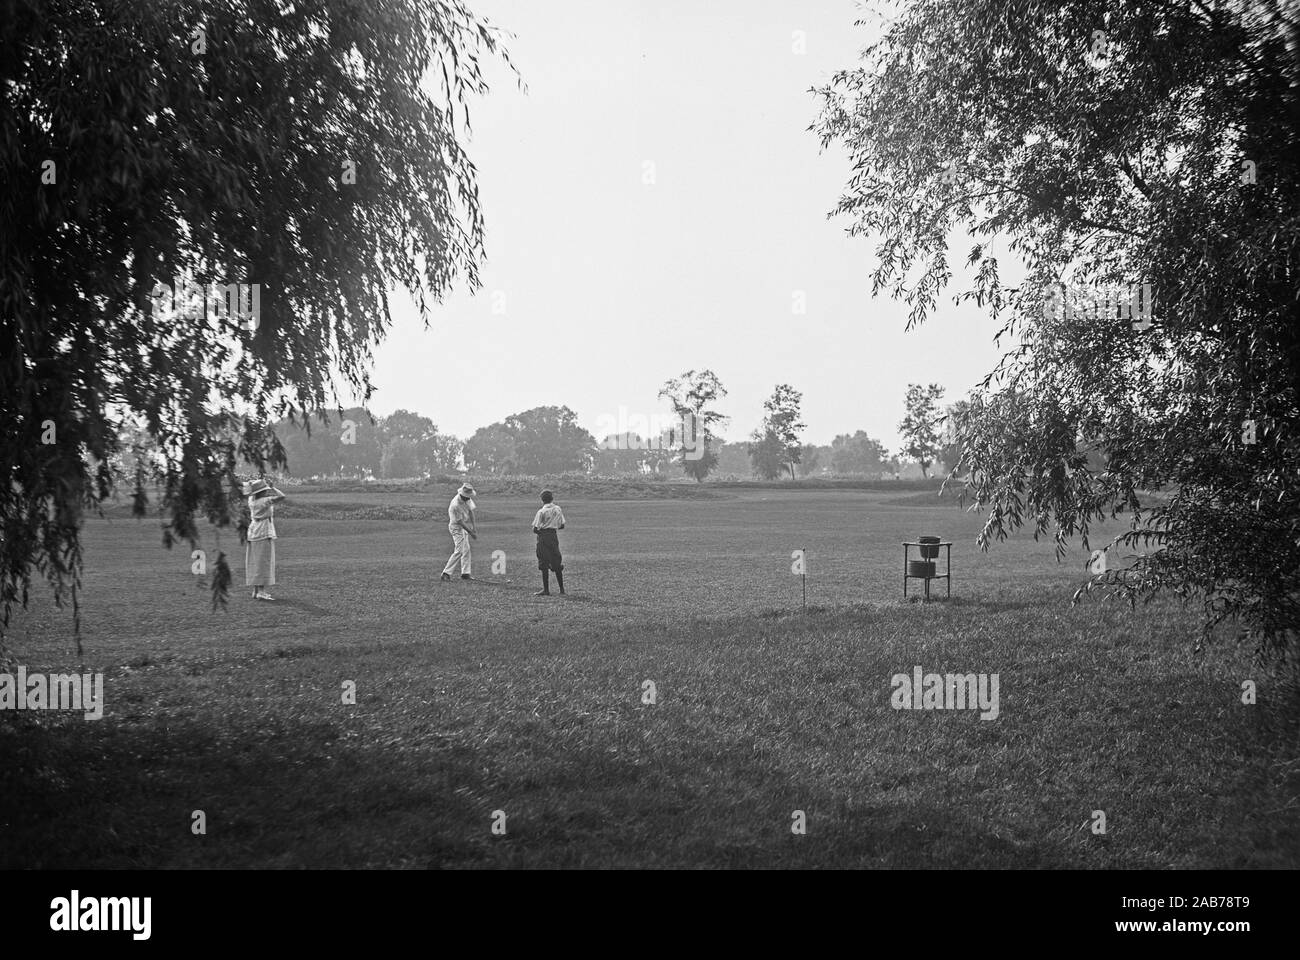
259 552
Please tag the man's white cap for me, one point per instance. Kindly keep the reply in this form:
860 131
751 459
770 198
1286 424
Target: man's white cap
466 490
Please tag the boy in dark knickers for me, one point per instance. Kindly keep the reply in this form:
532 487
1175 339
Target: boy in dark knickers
547 524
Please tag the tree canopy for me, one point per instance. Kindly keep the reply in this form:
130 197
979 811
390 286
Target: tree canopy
354 443
857 453
950 435
766 453
693 396
920 424
549 440
491 449
292 149
540 441
775 444
1106 146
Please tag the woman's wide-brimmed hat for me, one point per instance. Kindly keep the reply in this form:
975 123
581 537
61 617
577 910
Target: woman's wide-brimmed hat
255 486
466 490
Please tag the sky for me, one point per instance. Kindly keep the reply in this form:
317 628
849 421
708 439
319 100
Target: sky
654 202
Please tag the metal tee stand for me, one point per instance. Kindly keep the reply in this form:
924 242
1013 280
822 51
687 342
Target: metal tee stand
946 576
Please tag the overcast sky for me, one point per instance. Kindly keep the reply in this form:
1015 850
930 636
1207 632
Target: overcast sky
611 285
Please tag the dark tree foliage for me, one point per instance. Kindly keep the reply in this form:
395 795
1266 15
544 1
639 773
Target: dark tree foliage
810 459
400 459
292 146
623 453
354 443
540 441
1106 146
413 443
548 440
950 436
692 396
857 454
733 460
766 453
491 449
781 419
920 424
313 448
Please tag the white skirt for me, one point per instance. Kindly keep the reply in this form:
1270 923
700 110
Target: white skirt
259 563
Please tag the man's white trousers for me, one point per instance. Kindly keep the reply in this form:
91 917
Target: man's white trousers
460 554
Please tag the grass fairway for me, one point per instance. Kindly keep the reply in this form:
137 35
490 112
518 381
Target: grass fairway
473 698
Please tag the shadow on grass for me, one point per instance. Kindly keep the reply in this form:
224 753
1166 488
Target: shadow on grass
596 811
303 797
75 798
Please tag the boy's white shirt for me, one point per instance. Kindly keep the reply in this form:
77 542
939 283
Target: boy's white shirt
552 521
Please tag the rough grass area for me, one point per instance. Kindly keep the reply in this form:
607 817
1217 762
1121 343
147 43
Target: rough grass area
477 697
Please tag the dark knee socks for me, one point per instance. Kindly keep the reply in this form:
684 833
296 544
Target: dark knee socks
546 580
559 579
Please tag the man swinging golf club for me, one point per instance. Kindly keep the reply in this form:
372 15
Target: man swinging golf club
460 523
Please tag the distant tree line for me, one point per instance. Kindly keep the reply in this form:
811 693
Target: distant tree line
355 444
352 443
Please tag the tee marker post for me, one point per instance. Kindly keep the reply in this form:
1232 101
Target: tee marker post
800 567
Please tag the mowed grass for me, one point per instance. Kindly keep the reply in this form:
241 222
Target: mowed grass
477 697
